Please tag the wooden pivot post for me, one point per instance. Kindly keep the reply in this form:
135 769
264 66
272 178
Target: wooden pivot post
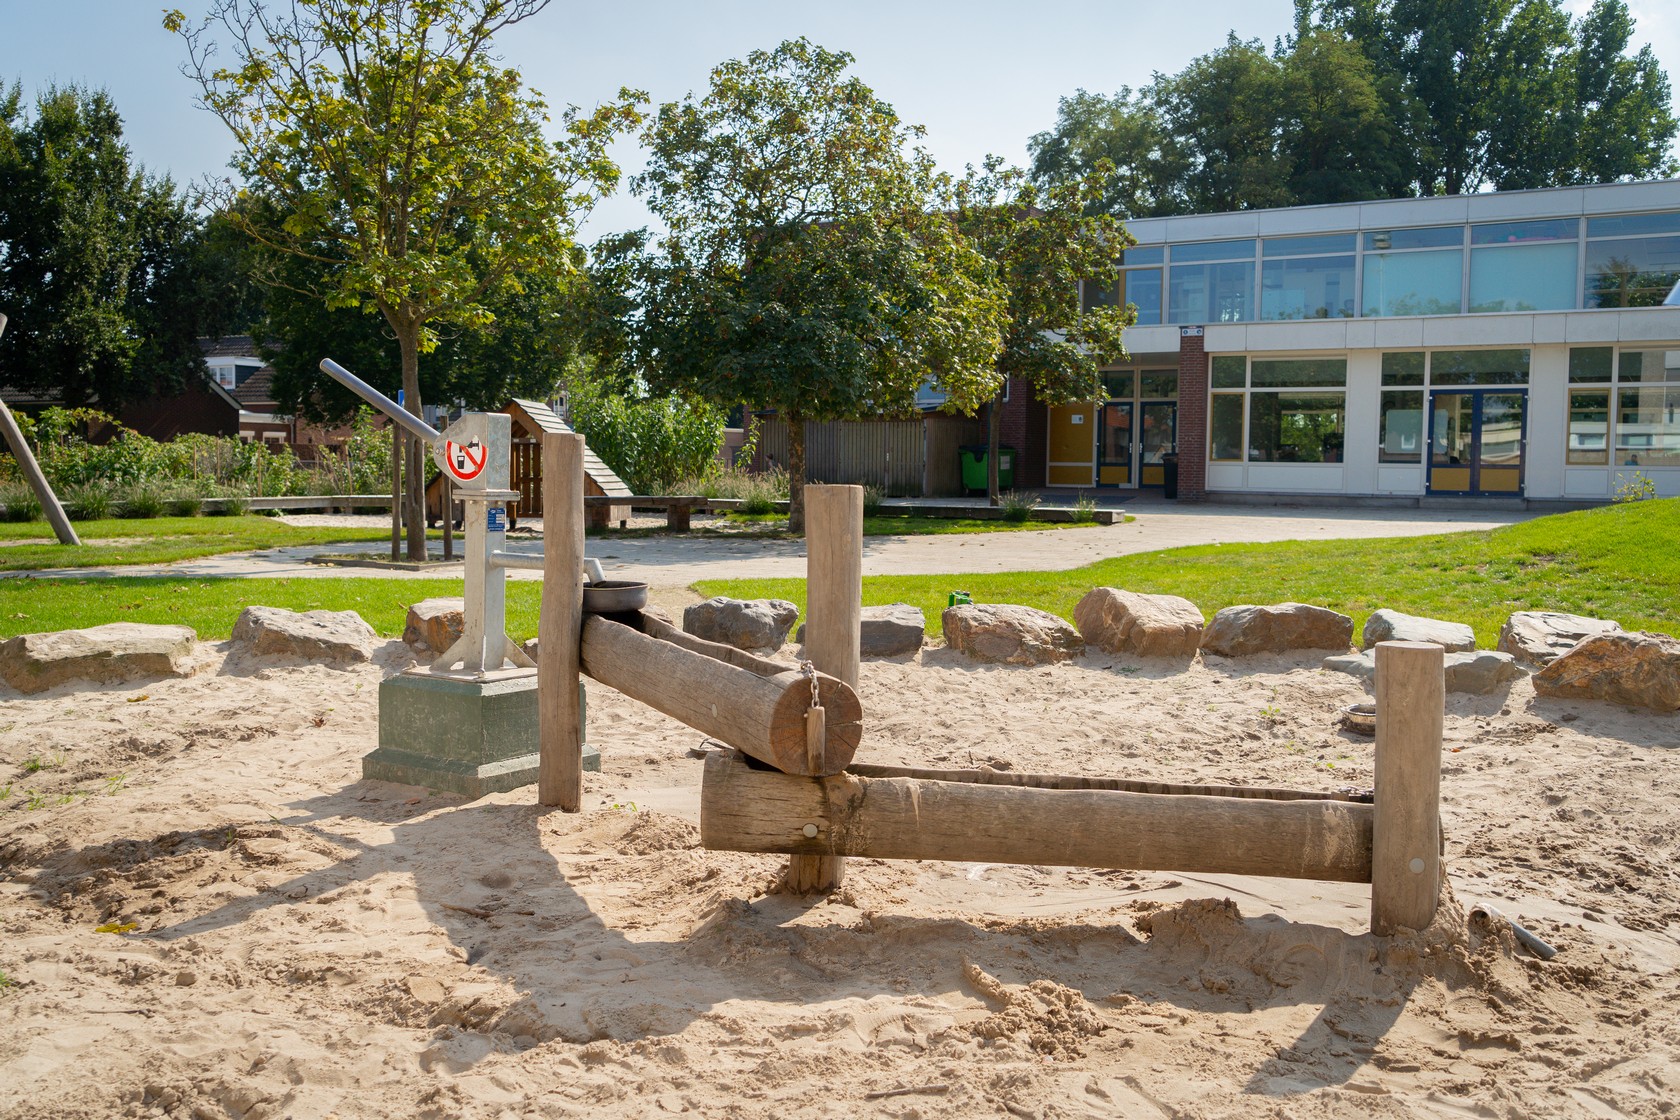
560 626
1406 831
397 436
833 625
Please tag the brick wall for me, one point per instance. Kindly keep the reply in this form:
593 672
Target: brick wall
1192 415
1023 424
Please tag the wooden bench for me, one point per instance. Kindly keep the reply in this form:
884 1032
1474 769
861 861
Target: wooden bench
679 508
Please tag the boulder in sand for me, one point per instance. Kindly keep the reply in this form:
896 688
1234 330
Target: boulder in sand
1477 672
109 654
750 624
1539 637
1010 634
1131 622
1638 669
436 624
328 637
887 631
1392 626
1240 631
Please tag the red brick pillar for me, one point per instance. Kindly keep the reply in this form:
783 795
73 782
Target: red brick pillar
1192 415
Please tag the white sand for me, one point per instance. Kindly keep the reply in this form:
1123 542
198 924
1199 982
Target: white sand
309 945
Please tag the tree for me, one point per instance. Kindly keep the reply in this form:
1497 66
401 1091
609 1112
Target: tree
384 143
1128 133
100 263
1044 241
812 265
1336 142
1223 120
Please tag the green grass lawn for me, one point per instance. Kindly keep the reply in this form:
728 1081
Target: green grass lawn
159 540
1620 562
210 606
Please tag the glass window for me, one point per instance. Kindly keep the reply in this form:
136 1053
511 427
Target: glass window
1436 238
1648 427
1590 364
1296 427
1143 254
1509 233
1159 383
1211 293
1142 286
1401 430
1631 272
1118 384
1225 439
1589 428
1095 293
1212 251
1629 225
1537 277
1310 246
1478 367
1650 365
1403 368
1288 373
1230 371
1414 283
1312 288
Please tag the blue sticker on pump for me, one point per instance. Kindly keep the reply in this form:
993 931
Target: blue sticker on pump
497 520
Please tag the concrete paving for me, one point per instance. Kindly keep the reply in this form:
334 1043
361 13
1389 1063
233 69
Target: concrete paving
676 561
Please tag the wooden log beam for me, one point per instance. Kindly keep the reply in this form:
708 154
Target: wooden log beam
734 701
746 809
1406 847
559 733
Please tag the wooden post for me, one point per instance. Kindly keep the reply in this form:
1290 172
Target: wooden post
833 624
1406 836
396 492
560 626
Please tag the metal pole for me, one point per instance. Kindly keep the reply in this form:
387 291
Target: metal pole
412 423
32 471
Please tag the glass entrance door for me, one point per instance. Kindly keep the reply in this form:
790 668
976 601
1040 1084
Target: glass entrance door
1477 439
1114 445
1159 437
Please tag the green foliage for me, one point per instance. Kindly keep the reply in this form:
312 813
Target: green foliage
143 501
759 491
650 442
20 502
89 502
1636 487
812 265
872 499
1377 99
1017 507
1084 509
103 268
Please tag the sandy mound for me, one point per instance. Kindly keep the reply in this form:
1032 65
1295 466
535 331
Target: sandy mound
293 941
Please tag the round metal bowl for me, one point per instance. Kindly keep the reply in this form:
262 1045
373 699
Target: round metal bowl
1361 719
613 596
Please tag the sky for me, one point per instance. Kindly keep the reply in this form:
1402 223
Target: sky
981 75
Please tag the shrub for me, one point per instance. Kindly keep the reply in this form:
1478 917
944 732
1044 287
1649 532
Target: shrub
651 442
872 497
1084 509
183 499
21 502
143 501
1636 487
90 502
234 502
1017 507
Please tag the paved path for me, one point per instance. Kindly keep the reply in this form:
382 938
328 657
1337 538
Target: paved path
673 561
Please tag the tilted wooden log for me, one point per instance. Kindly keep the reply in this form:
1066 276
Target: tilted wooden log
746 809
753 704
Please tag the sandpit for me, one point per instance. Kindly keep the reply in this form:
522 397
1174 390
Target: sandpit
306 943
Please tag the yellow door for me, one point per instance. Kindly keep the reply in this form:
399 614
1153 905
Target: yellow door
1073 445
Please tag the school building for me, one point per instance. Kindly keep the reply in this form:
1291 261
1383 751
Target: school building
1509 345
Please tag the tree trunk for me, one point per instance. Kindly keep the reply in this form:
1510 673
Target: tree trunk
796 471
992 447
414 496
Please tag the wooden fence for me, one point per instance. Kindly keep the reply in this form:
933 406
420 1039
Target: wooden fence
916 458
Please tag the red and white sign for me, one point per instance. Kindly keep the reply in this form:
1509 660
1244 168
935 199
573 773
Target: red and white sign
464 462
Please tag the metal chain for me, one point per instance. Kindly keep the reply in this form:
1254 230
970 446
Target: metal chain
809 670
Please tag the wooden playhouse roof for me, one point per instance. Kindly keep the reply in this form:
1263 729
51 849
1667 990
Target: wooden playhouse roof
537 418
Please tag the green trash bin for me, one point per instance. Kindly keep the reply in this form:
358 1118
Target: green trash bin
974 468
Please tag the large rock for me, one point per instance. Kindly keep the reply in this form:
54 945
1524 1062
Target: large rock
1239 631
109 654
1392 626
887 631
1638 669
1477 672
750 624
1131 622
1538 637
436 624
330 637
1010 634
